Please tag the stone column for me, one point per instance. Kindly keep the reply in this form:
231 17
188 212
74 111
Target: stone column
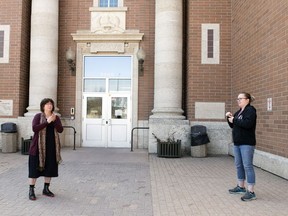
168 60
167 121
44 53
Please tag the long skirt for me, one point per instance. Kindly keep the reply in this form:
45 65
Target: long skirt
51 166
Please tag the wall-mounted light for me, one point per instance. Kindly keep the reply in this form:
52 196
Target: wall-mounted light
70 58
141 57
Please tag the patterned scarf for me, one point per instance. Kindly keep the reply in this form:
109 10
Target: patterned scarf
42 145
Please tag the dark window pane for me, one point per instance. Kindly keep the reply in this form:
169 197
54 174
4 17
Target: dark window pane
210 43
1 44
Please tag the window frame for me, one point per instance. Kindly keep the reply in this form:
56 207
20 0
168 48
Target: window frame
208 58
6 45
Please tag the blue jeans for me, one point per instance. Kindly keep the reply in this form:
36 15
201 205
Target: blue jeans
243 156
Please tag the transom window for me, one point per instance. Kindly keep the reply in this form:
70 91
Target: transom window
108 3
107 74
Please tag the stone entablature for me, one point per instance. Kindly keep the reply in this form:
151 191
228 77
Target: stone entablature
127 36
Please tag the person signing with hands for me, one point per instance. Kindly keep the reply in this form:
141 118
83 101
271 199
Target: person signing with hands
51 118
243 124
230 117
44 152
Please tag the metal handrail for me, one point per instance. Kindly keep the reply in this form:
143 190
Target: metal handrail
132 134
74 133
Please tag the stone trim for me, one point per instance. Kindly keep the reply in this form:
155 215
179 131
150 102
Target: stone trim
216 44
6 45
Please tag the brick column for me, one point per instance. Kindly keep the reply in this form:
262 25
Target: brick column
44 53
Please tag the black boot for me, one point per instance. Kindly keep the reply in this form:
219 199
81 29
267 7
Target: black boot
32 193
46 190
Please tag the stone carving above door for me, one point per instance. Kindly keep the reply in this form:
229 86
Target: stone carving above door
107 23
108 20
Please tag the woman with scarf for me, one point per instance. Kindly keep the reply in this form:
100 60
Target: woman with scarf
44 152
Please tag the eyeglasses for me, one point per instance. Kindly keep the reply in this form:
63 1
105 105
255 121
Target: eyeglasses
238 99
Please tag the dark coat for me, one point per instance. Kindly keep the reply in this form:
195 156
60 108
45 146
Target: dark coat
244 126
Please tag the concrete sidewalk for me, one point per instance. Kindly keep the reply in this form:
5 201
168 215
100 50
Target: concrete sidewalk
98 181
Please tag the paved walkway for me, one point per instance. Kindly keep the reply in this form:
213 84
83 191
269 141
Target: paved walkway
117 182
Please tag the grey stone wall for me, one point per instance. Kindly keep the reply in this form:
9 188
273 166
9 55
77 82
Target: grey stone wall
220 136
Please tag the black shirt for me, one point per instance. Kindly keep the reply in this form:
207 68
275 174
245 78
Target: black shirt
244 126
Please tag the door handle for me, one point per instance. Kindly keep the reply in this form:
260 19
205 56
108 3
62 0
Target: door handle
107 122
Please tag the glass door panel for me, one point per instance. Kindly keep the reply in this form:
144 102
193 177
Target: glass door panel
119 107
94 107
119 127
94 132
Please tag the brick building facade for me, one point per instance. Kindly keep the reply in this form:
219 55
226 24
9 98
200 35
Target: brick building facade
249 53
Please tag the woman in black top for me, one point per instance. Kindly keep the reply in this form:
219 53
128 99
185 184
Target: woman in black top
243 124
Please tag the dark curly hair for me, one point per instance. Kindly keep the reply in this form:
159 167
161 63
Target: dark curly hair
45 101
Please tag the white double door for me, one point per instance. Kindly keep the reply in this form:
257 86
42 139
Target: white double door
106 120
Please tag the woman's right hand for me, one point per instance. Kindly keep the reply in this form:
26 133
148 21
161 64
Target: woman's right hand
229 114
51 118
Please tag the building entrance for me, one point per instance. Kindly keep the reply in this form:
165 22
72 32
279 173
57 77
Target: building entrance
106 101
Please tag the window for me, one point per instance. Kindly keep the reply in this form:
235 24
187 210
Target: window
107 74
4 43
108 3
1 44
210 43
119 85
210 47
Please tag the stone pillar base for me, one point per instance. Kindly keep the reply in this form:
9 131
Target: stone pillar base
165 129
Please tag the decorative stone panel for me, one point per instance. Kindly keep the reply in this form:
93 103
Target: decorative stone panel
107 47
108 20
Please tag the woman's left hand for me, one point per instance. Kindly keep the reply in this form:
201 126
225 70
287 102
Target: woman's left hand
231 119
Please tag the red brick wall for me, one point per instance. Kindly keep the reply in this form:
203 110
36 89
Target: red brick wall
75 15
253 58
14 75
260 66
207 82
141 15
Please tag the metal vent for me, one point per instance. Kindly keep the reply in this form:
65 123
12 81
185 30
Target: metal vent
169 149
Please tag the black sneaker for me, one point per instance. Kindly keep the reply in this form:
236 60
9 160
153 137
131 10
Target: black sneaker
248 196
237 190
